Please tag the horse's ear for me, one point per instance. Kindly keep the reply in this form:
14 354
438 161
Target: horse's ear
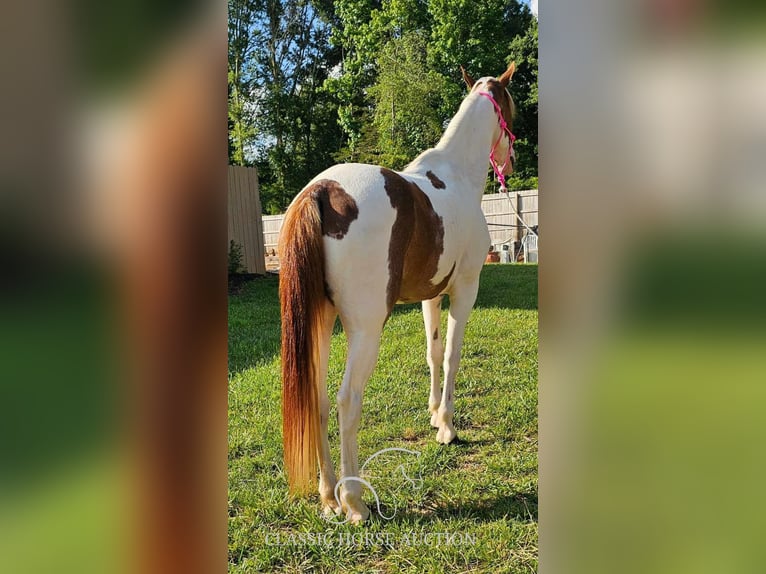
507 75
469 81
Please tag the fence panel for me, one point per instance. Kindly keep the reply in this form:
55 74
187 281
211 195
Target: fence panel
272 224
503 225
245 224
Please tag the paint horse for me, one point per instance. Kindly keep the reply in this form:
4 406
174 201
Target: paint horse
357 240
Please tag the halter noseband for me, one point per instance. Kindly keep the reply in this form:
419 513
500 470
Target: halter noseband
503 131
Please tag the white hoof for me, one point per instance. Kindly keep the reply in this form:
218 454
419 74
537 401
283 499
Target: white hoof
446 434
356 511
355 517
330 507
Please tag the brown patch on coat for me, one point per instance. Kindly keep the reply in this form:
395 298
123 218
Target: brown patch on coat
495 87
436 333
435 181
417 242
337 209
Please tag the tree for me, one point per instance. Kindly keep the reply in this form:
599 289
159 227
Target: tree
473 34
523 88
387 115
280 117
241 123
315 82
292 59
470 34
407 98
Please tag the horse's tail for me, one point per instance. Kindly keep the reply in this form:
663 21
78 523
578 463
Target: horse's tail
302 297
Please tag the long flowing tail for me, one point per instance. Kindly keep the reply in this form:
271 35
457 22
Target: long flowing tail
302 296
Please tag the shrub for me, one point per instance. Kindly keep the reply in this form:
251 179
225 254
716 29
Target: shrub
235 258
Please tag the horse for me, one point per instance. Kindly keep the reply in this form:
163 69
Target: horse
357 240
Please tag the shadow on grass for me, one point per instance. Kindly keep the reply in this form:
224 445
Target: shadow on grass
460 441
520 506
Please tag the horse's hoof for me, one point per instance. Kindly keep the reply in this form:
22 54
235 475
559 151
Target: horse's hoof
446 435
357 517
434 419
330 508
356 512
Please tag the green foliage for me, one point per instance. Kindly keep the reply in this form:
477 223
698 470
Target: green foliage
392 44
518 183
235 258
523 88
281 118
406 98
241 123
473 34
316 82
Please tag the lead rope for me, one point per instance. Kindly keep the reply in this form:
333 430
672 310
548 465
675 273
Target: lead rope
500 169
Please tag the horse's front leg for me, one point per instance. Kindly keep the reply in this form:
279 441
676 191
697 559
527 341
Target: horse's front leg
362 355
462 298
435 351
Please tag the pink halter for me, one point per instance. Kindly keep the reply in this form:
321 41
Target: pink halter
504 131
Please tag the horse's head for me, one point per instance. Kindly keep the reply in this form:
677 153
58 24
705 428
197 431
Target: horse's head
498 89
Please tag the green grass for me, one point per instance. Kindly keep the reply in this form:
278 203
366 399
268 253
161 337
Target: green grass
483 488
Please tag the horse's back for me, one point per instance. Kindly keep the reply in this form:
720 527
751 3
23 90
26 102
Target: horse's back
390 236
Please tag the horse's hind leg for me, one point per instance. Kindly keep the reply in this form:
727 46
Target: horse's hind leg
435 351
462 298
327 478
362 354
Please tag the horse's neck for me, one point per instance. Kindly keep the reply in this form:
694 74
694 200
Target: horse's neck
467 141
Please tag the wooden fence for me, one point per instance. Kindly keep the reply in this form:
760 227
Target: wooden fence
271 227
503 225
245 224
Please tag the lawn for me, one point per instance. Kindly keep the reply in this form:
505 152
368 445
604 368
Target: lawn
475 509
